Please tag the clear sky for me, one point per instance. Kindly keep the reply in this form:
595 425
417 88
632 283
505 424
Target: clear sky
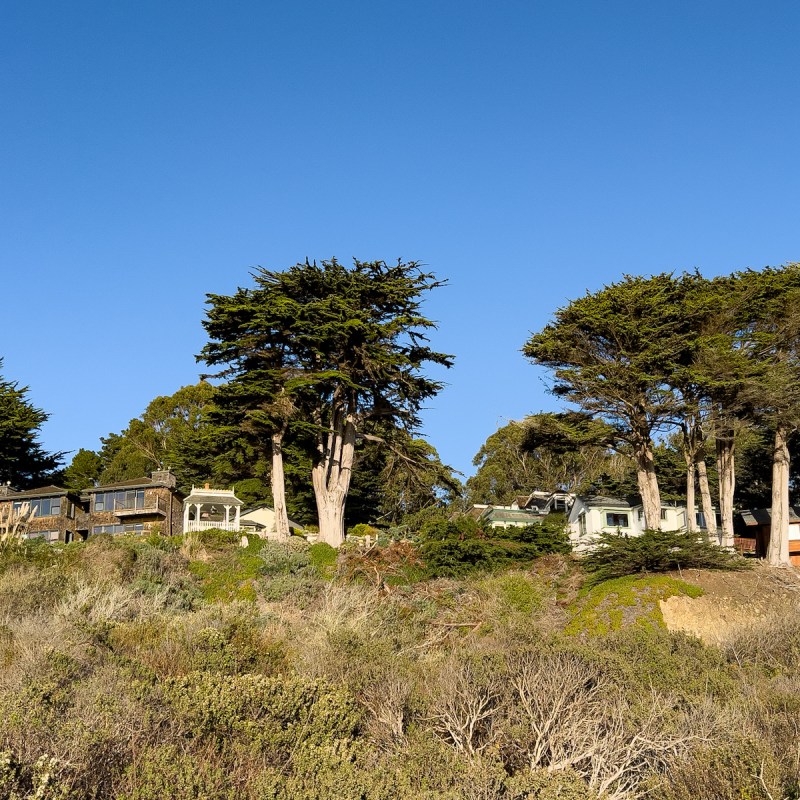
527 151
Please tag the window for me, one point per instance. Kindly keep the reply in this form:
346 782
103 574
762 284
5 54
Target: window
115 529
115 501
46 507
48 536
582 524
701 519
663 513
614 520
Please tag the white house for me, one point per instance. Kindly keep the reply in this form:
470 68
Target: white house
525 509
261 520
591 516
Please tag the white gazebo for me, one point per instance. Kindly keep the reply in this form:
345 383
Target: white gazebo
206 508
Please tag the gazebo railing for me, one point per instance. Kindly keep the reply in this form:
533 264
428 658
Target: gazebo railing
194 525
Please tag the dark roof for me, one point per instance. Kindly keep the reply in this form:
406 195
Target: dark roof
132 483
763 516
32 494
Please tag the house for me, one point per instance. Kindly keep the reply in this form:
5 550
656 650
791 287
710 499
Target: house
51 512
593 515
206 508
139 505
261 520
751 529
524 509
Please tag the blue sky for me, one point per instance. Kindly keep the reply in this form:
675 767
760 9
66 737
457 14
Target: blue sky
526 151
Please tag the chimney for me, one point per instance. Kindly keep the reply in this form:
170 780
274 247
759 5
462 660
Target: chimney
208 486
164 477
6 489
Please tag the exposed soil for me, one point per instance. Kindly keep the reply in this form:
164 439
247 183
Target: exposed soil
732 601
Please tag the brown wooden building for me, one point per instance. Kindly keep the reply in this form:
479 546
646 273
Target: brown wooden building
139 505
752 531
52 511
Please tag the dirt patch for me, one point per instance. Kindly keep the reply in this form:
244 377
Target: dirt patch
732 601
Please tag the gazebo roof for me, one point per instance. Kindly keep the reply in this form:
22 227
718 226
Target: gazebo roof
203 495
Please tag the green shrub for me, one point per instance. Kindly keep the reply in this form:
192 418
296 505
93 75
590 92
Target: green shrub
451 548
288 558
277 715
168 771
322 558
618 554
216 539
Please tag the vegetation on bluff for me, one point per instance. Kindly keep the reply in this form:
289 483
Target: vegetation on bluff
144 668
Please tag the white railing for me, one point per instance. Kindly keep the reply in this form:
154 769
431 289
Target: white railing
204 525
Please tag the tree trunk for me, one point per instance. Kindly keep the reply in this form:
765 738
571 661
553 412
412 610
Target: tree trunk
705 494
279 487
648 484
778 549
727 485
691 514
331 478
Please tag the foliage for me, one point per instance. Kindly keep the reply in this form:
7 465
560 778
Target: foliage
171 432
232 573
382 566
83 471
23 462
442 689
322 557
456 547
617 554
342 346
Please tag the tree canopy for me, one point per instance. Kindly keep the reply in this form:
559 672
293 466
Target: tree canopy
327 349
23 461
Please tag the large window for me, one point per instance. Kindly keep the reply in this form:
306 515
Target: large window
115 501
46 507
114 529
614 520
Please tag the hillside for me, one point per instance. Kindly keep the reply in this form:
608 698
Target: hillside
194 668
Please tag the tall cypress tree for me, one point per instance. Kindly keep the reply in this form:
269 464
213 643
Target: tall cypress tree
330 349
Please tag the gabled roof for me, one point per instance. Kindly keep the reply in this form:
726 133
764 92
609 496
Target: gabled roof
223 497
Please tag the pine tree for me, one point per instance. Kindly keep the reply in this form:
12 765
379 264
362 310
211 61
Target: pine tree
23 461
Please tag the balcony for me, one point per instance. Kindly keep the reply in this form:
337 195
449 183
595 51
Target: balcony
156 505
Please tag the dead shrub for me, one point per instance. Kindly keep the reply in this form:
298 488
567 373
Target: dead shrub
566 715
465 700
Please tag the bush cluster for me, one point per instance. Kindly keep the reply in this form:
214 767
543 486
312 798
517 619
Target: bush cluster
617 554
459 546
